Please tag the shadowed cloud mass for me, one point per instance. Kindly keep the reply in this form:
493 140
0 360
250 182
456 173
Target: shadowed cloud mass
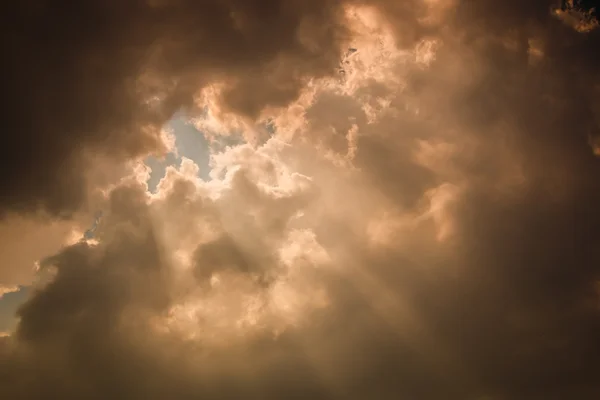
411 213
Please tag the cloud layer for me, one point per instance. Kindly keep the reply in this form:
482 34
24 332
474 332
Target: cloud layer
413 214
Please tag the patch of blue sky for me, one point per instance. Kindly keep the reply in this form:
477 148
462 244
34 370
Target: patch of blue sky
89 234
270 129
189 143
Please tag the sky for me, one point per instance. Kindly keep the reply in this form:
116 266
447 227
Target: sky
324 199
189 142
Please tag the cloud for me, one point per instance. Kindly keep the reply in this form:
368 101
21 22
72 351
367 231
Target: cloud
104 78
419 224
8 289
577 15
27 240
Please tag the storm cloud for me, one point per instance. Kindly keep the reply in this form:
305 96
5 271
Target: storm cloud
412 214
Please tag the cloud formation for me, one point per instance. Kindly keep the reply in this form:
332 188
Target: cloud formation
103 77
411 218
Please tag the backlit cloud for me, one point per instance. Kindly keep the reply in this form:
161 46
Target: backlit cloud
406 207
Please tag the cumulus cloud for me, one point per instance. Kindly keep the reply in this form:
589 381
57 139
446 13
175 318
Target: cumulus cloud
411 215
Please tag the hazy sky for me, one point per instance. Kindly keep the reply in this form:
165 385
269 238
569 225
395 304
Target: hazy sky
300 199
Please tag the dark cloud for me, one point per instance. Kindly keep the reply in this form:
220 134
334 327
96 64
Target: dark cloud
521 315
103 77
503 305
